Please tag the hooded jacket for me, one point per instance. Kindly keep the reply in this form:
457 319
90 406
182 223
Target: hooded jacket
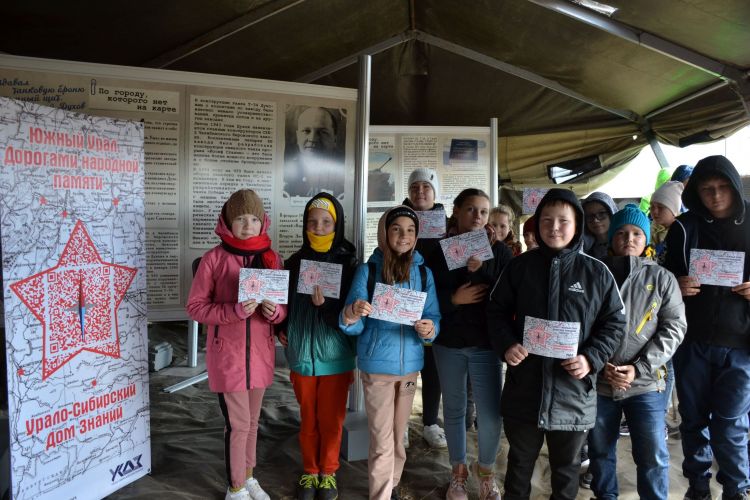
240 349
655 325
716 315
590 245
316 346
384 347
564 285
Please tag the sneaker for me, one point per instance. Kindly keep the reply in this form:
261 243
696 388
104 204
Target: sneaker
624 430
585 457
241 494
307 487
488 489
327 489
406 438
435 436
457 486
256 492
585 480
695 494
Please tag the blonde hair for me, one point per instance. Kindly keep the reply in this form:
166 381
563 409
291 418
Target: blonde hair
506 210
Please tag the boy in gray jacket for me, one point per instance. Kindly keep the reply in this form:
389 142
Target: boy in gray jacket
633 380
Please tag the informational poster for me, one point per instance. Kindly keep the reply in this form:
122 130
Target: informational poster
206 136
459 155
74 290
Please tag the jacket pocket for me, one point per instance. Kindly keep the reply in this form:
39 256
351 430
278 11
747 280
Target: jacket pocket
373 343
646 317
217 343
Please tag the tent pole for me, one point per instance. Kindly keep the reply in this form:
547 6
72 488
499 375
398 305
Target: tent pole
494 180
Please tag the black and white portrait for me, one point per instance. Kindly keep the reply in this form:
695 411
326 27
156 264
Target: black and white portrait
314 152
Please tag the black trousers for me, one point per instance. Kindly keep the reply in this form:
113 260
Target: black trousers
430 389
525 442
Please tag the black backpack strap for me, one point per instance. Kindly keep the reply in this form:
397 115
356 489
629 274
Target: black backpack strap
423 275
370 280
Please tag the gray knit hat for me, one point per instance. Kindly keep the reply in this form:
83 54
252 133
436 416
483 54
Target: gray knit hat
425 175
670 195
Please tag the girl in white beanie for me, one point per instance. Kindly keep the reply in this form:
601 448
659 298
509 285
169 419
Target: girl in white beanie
665 207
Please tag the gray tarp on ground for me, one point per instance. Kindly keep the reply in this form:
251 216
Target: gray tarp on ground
445 71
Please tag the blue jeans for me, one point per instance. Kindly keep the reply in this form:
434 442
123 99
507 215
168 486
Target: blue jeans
713 386
645 416
482 366
669 385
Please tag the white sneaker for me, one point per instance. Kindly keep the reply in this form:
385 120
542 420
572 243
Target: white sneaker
435 436
406 438
255 491
243 494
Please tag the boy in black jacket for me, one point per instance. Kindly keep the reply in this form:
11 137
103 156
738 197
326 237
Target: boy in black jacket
546 397
712 365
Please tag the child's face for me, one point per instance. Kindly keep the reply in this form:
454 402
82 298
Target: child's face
717 196
246 226
320 222
421 195
557 225
628 240
597 218
661 214
472 214
530 240
499 223
402 234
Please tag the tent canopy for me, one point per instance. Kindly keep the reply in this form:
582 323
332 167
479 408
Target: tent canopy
564 81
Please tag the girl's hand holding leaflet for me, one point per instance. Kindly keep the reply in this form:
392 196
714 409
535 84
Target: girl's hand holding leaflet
515 354
317 296
249 306
425 328
268 309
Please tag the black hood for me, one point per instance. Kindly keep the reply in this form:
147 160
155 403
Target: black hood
568 196
714 166
436 206
339 235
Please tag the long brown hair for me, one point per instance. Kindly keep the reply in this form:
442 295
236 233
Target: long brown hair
395 267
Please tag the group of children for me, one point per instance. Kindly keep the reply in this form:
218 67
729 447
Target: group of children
586 271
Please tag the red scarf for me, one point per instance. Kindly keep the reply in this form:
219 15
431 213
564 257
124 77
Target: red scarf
255 244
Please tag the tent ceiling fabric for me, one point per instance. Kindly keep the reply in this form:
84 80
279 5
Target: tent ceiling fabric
426 80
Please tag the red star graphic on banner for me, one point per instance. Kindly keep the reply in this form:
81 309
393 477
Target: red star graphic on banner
704 266
387 302
115 201
538 336
76 302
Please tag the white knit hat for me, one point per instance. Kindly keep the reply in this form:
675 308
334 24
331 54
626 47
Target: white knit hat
669 195
425 175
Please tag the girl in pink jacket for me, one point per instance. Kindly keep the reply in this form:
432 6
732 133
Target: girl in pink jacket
240 345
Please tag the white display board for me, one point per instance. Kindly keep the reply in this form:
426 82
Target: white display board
74 289
205 137
459 155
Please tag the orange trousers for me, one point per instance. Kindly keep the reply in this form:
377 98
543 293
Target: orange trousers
322 406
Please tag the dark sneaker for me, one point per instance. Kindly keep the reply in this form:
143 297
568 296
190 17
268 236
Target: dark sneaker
327 489
585 480
307 487
694 494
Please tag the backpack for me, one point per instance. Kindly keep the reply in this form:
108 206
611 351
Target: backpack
371 278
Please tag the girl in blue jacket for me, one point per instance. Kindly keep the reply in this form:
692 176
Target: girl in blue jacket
389 355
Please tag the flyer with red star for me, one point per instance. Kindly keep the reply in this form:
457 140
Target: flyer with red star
73 239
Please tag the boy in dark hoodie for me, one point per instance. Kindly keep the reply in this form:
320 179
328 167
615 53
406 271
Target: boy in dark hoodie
544 397
321 358
712 366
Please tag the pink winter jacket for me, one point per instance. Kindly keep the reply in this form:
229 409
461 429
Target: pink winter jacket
240 349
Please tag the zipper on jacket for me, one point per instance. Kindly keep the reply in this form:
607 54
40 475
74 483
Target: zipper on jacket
402 349
246 263
646 318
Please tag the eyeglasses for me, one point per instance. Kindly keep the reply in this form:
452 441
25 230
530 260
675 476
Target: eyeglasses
597 216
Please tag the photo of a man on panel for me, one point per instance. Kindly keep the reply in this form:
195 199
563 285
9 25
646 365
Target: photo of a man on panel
314 152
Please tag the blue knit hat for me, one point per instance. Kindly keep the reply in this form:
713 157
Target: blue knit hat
630 214
681 173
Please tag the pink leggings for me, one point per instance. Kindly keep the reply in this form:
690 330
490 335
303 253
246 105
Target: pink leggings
241 411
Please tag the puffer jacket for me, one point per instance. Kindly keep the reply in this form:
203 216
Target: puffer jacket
240 349
384 347
655 326
716 315
564 285
316 345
